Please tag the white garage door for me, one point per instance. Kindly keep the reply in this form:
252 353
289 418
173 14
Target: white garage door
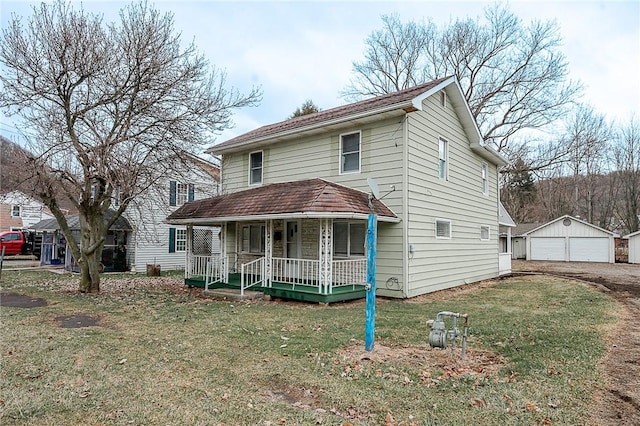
547 248
589 249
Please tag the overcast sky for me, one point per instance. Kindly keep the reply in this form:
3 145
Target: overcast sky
304 50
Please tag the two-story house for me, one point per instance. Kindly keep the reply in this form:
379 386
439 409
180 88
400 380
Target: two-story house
140 237
295 200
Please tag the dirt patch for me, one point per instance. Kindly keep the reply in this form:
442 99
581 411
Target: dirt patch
77 321
447 363
619 402
16 300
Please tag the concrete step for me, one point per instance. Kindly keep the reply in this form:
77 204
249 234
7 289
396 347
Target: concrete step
232 294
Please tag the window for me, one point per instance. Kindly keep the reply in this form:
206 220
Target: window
180 193
484 232
349 239
255 168
15 211
181 239
253 238
443 228
443 157
443 98
177 240
350 153
485 178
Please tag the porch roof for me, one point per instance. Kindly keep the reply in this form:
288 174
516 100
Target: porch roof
311 198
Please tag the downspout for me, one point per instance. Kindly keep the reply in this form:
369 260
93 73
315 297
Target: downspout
405 207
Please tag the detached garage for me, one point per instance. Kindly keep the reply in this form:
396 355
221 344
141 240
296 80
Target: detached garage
634 246
568 239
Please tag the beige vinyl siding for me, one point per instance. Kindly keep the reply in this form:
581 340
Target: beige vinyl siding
442 263
318 156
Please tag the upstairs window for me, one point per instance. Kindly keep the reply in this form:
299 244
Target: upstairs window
485 178
349 239
15 211
255 168
443 229
443 159
180 193
350 153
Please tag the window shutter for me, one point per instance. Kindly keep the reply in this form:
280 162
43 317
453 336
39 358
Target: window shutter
172 193
172 239
192 191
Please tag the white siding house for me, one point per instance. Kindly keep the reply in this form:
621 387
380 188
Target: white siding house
19 211
634 246
155 242
570 239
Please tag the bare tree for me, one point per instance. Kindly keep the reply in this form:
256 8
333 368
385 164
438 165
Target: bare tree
308 107
627 158
588 135
514 77
112 107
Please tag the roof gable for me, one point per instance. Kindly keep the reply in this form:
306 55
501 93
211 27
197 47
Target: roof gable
561 218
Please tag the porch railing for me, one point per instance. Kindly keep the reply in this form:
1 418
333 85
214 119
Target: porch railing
295 271
197 265
251 274
215 271
349 272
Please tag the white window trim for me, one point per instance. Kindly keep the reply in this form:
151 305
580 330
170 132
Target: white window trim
488 233
484 176
19 210
182 193
349 255
435 230
446 159
261 248
443 99
261 169
342 172
180 232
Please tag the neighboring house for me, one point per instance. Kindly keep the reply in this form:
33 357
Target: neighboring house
634 246
155 242
295 200
55 250
570 239
141 232
19 211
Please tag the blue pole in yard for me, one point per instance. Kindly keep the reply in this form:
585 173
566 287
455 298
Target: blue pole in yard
371 283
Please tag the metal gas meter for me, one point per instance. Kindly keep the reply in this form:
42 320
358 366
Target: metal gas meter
439 335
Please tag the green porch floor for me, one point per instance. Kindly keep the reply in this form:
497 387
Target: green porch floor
289 291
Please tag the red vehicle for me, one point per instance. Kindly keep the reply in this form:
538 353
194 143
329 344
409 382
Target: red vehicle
14 242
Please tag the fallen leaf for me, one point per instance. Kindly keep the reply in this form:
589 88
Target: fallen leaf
546 422
84 394
122 361
531 406
477 402
283 346
284 337
389 420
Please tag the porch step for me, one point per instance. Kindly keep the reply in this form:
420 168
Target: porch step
232 294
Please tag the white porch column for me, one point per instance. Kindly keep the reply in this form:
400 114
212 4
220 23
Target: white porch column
188 261
268 251
224 267
326 256
509 241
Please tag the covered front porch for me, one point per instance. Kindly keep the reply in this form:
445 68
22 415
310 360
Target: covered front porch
308 253
283 269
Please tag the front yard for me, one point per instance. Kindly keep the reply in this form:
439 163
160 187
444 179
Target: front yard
161 354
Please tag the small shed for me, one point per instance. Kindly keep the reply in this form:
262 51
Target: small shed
634 246
570 239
